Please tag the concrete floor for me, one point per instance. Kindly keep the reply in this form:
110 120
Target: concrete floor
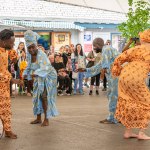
76 128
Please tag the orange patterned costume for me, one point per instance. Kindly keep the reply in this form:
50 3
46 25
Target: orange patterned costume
133 107
5 77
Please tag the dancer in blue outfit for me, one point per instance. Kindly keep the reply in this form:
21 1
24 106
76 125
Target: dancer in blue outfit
108 56
45 80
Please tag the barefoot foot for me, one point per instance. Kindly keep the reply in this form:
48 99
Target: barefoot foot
37 121
10 134
143 136
29 94
45 123
130 135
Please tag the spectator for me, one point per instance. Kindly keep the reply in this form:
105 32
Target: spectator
69 68
52 49
63 79
22 67
94 57
64 55
51 59
62 49
20 49
75 57
72 48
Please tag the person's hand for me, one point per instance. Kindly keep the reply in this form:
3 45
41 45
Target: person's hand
76 70
81 70
60 73
93 59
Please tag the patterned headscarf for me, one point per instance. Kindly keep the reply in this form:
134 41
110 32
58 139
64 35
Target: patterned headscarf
31 38
145 36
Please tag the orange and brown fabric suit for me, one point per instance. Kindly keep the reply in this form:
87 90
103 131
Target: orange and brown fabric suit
5 103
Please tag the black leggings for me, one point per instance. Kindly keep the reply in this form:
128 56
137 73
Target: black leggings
97 78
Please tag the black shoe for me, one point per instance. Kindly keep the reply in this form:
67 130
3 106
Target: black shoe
68 92
97 93
90 92
104 89
60 93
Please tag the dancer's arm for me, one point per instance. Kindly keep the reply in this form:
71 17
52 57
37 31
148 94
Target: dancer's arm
45 66
90 72
119 61
108 56
127 46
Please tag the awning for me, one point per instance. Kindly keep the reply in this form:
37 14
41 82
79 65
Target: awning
3 25
44 25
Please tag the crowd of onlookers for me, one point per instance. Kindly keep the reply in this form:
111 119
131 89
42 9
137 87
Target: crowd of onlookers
66 62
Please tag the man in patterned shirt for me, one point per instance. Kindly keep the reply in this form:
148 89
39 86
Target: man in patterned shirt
7 40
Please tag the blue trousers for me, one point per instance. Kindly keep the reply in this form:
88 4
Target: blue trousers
80 81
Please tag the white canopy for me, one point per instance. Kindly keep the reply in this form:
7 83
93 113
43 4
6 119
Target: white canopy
38 10
112 5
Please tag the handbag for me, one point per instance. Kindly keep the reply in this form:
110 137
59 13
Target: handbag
81 62
90 63
74 75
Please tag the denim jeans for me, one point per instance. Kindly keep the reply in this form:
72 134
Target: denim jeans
80 81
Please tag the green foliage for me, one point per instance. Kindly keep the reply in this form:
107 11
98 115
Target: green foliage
130 2
137 19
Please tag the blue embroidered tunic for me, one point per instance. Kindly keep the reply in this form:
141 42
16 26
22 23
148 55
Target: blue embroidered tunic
108 56
46 79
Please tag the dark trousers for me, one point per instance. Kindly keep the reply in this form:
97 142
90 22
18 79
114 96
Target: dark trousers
68 84
97 79
65 83
70 76
105 82
60 80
